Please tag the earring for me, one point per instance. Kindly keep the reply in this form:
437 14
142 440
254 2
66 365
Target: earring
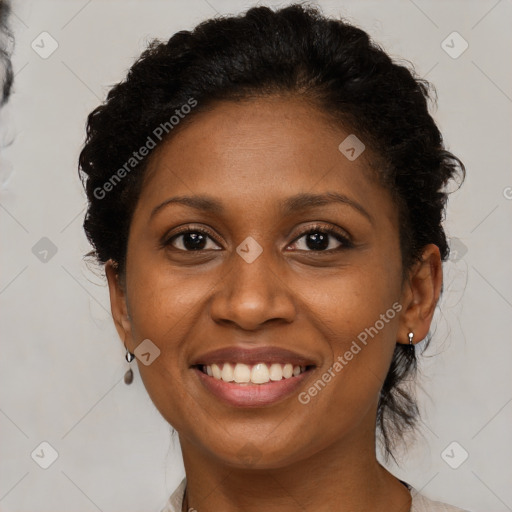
128 376
411 336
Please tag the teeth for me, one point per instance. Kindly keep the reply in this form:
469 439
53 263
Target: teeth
227 373
242 373
259 373
276 372
217 373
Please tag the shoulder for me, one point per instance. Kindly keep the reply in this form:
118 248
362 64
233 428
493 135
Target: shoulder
175 502
422 504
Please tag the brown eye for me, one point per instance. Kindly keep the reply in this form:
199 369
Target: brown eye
189 240
322 239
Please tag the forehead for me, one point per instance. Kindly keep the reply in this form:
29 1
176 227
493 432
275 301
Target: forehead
257 152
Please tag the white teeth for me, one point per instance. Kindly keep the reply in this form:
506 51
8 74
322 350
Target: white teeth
227 373
276 372
259 373
242 373
217 373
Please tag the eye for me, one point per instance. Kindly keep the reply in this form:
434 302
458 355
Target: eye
320 239
188 240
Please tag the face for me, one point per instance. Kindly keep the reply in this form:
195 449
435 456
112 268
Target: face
269 275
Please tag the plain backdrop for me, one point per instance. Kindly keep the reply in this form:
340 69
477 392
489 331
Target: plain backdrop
61 361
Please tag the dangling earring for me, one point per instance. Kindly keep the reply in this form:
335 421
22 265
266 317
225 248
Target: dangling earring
411 345
128 376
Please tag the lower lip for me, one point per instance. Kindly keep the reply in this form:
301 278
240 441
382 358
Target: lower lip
251 395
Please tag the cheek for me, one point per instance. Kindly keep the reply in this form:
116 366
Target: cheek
165 308
164 301
351 300
357 313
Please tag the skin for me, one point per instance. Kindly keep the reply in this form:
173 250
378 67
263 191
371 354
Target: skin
251 156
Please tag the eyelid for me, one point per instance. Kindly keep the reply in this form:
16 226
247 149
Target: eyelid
166 240
341 235
344 238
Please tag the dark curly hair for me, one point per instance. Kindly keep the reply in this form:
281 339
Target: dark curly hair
6 46
296 50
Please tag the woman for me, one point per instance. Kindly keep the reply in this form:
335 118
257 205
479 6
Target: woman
266 194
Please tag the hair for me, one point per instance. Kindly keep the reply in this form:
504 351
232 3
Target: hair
295 50
6 44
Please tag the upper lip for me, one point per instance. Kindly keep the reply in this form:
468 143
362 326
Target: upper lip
266 354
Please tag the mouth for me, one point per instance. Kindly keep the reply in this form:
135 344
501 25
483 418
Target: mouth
257 374
252 377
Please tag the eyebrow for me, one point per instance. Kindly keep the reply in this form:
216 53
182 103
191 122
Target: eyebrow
303 201
289 205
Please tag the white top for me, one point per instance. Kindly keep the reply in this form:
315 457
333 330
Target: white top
419 502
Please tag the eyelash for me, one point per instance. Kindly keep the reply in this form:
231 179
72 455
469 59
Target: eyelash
343 239
325 230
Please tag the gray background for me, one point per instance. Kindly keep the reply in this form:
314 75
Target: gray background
62 362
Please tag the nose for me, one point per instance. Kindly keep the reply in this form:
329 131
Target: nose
252 294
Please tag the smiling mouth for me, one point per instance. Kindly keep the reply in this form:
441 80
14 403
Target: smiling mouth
245 374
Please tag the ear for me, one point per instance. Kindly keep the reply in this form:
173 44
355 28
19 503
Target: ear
420 294
118 304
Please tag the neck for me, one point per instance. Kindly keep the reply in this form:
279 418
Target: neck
345 476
